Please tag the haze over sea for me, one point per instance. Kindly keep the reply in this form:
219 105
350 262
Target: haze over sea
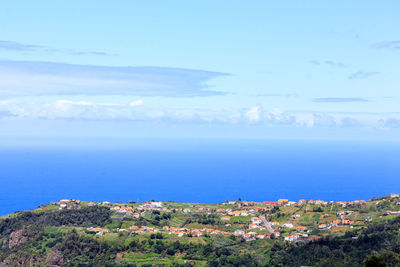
206 171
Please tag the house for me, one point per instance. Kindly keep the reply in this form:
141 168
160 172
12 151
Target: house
250 236
244 213
153 204
249 209
301 228
207 230
98 231
73 206
254 225
394 195
288 225
282 202
225 218
291 238
64 201
256 220
341 213
239 213
180 233
347 222
222 210
106 203
238 233
235 213
302 201
393 212
321 202
216 232
197 233
322 226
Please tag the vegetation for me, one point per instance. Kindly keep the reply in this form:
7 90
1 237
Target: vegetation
376 245
183 234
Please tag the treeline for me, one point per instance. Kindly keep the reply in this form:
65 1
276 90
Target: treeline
86 216
80 250
212 254
203 219
378 244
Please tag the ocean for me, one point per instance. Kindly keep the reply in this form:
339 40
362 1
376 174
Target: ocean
207 171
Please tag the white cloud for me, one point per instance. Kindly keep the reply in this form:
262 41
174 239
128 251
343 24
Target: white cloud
65 109
77 103
136 103
253 115
20 78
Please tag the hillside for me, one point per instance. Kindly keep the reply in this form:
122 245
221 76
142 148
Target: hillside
234 233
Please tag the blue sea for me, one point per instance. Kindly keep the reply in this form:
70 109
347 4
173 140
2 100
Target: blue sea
206 171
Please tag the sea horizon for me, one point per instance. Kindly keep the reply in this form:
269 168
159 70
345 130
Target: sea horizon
197 171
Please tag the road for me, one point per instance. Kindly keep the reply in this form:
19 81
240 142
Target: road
267 224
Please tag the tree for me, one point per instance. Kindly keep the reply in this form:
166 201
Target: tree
375 261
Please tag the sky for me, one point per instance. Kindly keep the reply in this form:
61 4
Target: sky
204 69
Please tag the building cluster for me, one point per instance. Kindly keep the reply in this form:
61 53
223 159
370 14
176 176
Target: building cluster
98 230
256 224
179 231
139 211
68 204
249 235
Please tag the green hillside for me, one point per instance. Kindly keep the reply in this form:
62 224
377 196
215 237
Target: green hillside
235 233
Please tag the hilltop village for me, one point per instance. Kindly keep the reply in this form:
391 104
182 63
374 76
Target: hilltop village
290 221
233 233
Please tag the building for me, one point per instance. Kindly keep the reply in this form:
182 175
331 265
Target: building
282 202
238 233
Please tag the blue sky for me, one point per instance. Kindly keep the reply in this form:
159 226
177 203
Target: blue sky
258 69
